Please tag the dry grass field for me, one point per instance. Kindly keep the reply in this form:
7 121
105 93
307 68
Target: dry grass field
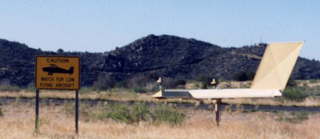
17 122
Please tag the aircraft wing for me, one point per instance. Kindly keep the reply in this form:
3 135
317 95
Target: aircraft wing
217 93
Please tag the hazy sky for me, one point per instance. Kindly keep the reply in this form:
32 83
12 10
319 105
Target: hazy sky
101 25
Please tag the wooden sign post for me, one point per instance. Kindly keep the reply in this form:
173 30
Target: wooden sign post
37 112
57 73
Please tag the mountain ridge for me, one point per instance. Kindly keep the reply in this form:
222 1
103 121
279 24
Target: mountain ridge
151 56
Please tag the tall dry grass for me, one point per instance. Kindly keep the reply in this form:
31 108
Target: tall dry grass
18 123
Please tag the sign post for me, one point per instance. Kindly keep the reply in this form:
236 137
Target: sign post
37 112
77 112
57 73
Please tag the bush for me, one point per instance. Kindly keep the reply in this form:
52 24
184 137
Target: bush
139 112
121 113
169 115
130 115
294 94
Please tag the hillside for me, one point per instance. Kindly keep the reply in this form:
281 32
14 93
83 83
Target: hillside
148 57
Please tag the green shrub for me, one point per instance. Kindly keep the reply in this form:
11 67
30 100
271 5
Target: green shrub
294 94
169 115
121 113
138 112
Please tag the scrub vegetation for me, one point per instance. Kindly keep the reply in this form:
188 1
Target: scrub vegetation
294 94
132 113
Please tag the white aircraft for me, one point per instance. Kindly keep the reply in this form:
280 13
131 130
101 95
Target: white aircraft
271 78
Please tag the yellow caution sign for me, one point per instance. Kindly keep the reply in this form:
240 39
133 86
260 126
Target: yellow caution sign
57 72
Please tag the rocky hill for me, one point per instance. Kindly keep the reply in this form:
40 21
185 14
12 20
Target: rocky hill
149 57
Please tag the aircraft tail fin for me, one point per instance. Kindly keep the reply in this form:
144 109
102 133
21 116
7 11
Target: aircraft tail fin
276 66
